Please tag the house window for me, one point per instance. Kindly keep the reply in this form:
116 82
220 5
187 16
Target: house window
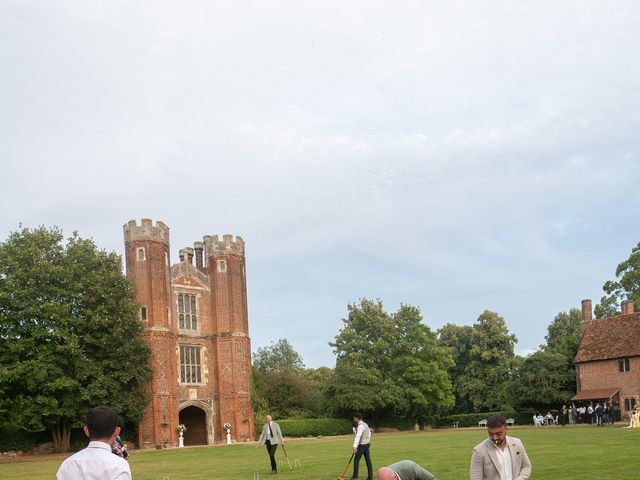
143 313
222 266
141 254
623 365
190 365
629 403
187 312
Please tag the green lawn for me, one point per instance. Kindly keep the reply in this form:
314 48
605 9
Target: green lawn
556 453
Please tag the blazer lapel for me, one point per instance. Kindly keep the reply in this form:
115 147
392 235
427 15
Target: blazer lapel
516 458
491 449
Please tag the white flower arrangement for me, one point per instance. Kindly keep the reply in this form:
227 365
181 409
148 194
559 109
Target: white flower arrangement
227 426
182 428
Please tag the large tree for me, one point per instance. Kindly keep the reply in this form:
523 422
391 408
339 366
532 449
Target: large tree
69 334
281 387
627 286
388 363
543 381
484 356
277 357
563 334
457 339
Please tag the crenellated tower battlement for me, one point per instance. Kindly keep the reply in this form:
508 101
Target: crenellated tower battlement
146 231
227 246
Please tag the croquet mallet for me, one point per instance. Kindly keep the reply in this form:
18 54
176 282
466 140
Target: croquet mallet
341 477
286 456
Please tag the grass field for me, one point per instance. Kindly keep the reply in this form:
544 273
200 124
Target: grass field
557 453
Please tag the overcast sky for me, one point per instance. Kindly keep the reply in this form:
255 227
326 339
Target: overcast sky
453 155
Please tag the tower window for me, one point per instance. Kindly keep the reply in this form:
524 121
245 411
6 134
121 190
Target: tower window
222 266
190 364
141 254
143 313
187 312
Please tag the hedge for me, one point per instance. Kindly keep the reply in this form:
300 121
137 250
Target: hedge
472 419
20 440
312 427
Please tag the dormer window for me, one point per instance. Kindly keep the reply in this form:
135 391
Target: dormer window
222 266
141 254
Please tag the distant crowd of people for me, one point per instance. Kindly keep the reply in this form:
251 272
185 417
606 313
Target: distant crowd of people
600 414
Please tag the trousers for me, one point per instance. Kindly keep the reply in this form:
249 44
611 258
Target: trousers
360 451
271 450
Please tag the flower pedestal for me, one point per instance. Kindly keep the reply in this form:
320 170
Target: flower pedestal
181 440
228 436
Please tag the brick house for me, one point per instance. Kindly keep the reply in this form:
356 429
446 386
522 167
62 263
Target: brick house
608 359
197 327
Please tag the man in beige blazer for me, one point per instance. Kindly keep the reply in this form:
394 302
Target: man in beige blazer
499 457
271 437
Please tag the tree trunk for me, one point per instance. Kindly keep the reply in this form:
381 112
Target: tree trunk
61 435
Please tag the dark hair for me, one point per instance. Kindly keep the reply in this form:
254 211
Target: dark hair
102 422
496 421
357 415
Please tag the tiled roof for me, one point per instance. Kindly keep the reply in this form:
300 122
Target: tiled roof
596 394
611 337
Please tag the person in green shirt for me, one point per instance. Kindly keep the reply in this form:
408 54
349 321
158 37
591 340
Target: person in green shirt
404 470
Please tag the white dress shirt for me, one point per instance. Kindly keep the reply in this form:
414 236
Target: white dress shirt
96 462
505 462
363 435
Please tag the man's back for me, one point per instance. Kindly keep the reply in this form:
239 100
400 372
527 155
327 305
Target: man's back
96 462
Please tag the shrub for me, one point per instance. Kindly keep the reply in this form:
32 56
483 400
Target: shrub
17 440
472 419
312 427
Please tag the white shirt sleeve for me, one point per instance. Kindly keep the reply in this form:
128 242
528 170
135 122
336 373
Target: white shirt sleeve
359 431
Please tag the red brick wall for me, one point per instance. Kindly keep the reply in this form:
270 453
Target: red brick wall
222 334
605 374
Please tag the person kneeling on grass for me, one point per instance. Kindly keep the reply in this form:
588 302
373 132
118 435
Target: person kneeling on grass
404 470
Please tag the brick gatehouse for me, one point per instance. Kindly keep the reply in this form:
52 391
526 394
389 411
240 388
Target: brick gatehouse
197 327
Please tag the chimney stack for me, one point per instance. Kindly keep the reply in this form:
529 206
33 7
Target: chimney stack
587 313
199 247
186 255
627 307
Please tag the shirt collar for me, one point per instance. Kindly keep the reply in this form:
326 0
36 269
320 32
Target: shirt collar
99 444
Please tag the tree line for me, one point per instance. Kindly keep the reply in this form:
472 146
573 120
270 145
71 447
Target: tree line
393 365
70 339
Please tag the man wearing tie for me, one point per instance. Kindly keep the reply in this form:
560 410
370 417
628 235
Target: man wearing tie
271 436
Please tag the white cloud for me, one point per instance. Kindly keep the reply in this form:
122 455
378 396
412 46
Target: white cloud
466 152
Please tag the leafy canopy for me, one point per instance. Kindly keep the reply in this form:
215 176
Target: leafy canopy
388 363
69 334
484 355
626 287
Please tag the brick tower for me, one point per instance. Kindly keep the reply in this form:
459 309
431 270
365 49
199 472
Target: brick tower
226 269
196 325
148 269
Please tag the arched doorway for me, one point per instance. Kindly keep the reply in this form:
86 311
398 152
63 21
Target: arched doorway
195 420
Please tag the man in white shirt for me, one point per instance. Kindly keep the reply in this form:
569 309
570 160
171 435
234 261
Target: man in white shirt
361 444
499 457
96 462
